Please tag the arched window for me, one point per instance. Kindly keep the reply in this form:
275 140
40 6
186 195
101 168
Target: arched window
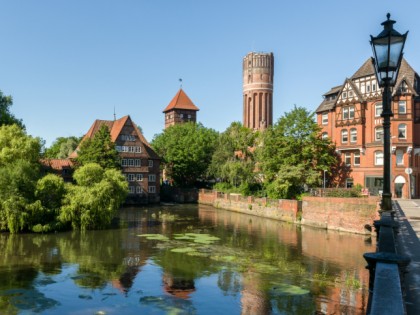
379 158
353 135
379 133
400 157
344 136
402 131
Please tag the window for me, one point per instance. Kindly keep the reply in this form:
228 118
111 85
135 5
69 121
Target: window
181 115
324 135
348 112
344 95
350 93
402 107
402 131
349 183
400 157
130 177
138 149
344 136
118 148
353 135
378 109
347 158
139 177
325 118
124 162
152 177
131 189
137 162
128 138
152 189
189 116
373 87
368 88
130 162
379 133
379 158
150 163
357 158
139 190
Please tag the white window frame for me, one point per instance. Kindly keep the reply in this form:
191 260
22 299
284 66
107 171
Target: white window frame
152 178
131 177
379 133
139 177
402 107
353 135
356 158
324 136
402 131
150 163
137 162
344 135
131 190
139 190
379 158
347 158
378 109
325 118
152 189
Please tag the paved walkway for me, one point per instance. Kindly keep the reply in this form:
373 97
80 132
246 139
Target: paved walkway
408 215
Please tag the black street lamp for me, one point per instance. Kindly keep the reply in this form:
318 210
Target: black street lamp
388 51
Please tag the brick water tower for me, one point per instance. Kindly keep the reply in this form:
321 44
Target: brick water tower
258 74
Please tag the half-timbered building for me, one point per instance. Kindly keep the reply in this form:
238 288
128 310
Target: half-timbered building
350 115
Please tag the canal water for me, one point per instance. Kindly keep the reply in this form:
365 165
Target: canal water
185 259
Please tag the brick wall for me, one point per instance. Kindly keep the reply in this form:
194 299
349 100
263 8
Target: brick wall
355 215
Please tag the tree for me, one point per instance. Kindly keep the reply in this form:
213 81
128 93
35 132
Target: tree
186 150
100 149
293 154
62 147
233 160
93 202
6 117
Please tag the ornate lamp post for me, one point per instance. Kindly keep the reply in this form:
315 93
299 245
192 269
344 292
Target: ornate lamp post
388 51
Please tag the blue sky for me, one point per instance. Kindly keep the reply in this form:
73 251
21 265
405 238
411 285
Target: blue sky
67 63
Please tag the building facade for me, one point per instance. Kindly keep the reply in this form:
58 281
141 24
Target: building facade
350 115
258 75
140 164
181 109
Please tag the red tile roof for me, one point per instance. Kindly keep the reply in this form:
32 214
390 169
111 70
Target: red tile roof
181 101
115 128
57 164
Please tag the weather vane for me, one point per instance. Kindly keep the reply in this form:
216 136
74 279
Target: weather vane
180 80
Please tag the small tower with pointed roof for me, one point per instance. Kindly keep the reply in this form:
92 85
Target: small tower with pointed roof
181 109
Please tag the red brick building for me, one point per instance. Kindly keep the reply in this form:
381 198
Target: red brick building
140 164
181 109
258 76
350 115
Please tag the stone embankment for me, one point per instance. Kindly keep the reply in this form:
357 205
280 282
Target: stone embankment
354 215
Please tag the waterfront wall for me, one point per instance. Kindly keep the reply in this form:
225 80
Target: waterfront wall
355 215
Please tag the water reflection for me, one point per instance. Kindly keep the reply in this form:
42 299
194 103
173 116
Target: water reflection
188 259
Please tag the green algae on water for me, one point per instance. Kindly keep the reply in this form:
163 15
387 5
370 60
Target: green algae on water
206 239
285 289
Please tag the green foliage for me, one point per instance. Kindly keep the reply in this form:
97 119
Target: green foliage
186 150
62 147
92 203
233 160
293 154
100 150
6 117
353 192
50 191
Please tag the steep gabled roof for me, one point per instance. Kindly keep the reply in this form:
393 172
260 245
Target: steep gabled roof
408 75
366 69
115 128
57 164
328 104
181 101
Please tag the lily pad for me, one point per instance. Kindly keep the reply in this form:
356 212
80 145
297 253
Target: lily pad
197 238
183 250
282 289
155 237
